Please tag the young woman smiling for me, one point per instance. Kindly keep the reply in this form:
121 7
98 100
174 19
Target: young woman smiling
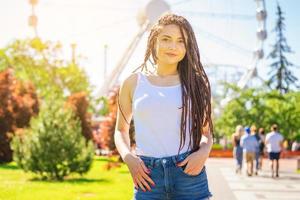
171 108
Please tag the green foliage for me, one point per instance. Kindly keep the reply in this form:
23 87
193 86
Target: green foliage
217 146
98 183
262 108
79 104
18 103
100 106
42 63
54 146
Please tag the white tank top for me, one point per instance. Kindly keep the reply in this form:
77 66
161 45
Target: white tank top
157 117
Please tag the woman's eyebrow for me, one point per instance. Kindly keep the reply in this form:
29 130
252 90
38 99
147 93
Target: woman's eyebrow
171 37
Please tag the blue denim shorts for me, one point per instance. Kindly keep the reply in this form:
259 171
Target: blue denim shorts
171 182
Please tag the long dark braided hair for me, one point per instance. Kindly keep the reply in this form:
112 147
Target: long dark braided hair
196 92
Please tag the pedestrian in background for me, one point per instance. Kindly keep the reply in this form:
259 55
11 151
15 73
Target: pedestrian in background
258 139
237 149
250 145
261 133
296 145
274 143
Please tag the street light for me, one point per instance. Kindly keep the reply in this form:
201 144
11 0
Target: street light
33 19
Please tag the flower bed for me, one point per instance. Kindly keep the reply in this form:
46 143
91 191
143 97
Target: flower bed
217 153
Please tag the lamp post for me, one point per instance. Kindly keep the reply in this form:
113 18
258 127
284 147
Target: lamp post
73 47
33 19
105 62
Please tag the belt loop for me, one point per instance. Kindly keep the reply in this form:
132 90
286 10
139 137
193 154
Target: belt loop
174 159
152 162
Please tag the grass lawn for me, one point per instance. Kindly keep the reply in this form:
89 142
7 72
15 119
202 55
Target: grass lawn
96 184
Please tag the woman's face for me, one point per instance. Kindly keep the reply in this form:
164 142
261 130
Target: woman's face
170 47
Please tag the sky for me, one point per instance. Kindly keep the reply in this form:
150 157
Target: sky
92 24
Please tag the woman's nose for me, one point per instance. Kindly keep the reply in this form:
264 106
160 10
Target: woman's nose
172 45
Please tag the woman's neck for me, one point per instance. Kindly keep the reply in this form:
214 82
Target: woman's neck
166 70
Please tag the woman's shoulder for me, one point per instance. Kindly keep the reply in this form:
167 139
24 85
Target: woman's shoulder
130 82
131 79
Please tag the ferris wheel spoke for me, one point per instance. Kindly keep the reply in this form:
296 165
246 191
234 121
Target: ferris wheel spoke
219 15
223 42
180 2
103 27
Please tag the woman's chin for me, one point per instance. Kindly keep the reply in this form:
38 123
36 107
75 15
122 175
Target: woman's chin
171 61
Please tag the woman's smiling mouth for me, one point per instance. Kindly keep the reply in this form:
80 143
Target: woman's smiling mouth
171 54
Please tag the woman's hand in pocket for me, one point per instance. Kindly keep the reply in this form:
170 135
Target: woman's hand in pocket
194 163
139 172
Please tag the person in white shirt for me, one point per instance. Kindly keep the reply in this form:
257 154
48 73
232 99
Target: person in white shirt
296 145
274 144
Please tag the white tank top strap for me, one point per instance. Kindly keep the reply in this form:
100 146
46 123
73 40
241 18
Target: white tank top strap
138 78
140 83
143 82
142 78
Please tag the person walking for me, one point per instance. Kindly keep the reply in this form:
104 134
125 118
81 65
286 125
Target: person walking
250 145
274 144
237 149
261 134
171 109
296 144
257 152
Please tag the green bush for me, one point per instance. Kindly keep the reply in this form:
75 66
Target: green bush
54 146
217 147
229 146
261 107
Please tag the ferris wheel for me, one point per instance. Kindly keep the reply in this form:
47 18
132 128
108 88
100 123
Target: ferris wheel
230 35
215 14
221 18
249 55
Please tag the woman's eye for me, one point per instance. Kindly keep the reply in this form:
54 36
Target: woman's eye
180 41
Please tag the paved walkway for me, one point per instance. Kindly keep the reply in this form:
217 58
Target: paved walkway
226 185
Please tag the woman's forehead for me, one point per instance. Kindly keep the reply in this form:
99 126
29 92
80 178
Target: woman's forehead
171 30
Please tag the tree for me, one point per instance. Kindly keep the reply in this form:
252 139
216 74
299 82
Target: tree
262 108
79 104
281 75
43 64
53 147
18 103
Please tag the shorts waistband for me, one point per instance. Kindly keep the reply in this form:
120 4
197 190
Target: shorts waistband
168 160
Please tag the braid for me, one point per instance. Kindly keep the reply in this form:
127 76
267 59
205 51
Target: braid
196 91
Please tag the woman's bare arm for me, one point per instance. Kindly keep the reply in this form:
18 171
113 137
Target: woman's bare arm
233 140
206 140
121 135
137 167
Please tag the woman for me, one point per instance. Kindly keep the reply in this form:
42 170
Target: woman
237 149
172 141
257 152
261 133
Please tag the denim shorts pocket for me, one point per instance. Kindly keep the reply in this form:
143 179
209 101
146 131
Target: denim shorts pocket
182 168
147 163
